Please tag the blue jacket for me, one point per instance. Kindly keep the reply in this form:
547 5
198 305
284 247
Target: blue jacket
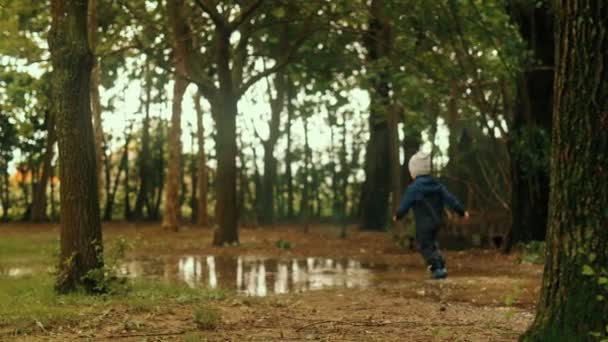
428 197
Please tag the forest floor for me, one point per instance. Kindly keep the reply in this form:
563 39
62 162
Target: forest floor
280 283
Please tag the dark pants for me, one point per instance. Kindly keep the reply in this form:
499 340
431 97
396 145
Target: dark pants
426 236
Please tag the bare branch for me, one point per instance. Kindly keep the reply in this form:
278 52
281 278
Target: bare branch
245 14
208 6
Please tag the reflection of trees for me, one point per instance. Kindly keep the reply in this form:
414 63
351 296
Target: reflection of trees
253 275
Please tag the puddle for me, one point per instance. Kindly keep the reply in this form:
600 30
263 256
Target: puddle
257 276
16 272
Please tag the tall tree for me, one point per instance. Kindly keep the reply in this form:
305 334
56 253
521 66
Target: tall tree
375 205
269 178
569 308
145 161
228 84
531 124
39 202
171 215
71 58
202 217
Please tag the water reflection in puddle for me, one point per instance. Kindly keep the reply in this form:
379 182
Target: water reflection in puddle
16 272
256 276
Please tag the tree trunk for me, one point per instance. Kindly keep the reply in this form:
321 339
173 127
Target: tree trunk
111 194
81 237
54 215
6 202
145 164
226 205
375 205
93 27
395 162
570 308
531 121
127 186
344 172
288 155
171 215
39 203
202 217
305 207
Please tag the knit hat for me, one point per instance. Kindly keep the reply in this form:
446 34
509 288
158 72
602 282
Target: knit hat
420 164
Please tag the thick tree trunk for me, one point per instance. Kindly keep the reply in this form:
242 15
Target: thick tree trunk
171 215
226 205
145 163
202 217
39 202
531 119
569 308
375 200
81 238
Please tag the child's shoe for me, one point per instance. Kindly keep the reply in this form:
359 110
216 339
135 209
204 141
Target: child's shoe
439 273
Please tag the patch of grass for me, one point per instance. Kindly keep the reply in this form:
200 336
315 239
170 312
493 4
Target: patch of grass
206 317
21 251
29 303
195 337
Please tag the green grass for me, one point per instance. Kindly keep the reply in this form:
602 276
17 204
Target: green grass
17 251
29 303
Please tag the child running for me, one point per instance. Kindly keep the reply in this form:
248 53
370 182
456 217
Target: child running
428 197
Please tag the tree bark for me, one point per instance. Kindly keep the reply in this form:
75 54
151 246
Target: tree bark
122 166
375 205
6 201
569 308
145 163
81 237
305 207
288 154
202 217
226 205
171 215
39 202
269 179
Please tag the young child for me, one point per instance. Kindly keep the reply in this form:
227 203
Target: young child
427 197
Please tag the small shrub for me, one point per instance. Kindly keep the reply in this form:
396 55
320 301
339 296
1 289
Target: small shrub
533 252
206 317
284 244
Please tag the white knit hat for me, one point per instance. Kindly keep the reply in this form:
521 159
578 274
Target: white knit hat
420 164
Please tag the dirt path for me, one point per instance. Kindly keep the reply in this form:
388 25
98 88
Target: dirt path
487 297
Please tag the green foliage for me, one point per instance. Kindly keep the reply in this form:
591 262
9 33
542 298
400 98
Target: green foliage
206 317
533 252
531 146
284 244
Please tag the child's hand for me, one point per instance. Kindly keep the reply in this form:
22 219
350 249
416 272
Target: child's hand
395 218
466 215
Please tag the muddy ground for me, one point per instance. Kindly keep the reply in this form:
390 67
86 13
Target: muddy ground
487 296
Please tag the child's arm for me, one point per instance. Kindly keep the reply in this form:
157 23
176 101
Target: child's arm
406 202
452 202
